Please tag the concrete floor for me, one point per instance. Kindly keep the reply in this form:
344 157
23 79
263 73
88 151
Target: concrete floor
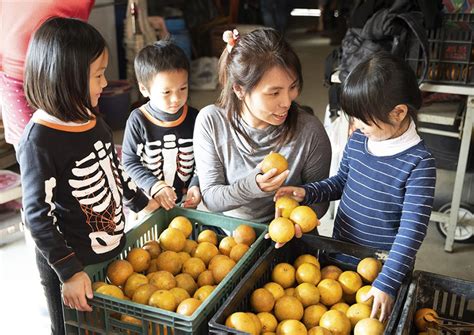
23 309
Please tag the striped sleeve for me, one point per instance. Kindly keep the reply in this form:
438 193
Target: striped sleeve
331 188
416 211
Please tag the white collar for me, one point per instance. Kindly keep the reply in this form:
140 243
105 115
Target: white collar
43 115
396 145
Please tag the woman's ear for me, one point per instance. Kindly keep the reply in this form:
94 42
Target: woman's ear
399 113
238 90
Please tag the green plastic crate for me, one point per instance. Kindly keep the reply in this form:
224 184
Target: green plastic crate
103 319
321 247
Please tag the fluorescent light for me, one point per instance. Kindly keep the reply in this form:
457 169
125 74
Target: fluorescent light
305 12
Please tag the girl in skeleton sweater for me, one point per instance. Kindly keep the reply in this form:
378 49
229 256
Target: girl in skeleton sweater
158 141
72 180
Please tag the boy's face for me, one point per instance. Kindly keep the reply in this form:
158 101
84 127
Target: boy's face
168 90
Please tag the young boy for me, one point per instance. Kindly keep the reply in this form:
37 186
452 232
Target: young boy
158 140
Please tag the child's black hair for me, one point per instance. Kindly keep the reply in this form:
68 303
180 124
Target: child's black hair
375 86
57 68
160 56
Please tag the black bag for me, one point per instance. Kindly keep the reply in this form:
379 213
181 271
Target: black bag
390 27
383 31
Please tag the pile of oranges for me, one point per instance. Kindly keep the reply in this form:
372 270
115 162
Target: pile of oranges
304 299
282 229
175 273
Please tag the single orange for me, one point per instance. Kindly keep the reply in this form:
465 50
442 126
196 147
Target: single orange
284 275
226 245
276 161
350 282
238 251
286 205
188 306
369 269
182 223
207 235
261 300
118 271
336 322
369 327
305 217
244 234
281 230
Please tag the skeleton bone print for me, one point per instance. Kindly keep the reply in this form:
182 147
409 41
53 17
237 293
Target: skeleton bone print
98 189
169 158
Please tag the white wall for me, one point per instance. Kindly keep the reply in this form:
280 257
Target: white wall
103 19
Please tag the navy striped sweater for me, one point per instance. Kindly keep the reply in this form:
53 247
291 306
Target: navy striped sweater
385 203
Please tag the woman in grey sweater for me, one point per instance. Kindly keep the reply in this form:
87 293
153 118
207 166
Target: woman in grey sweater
255 115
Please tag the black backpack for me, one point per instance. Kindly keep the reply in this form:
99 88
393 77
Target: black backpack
389 28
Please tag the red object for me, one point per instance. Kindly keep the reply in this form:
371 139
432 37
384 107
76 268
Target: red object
18 21
8 180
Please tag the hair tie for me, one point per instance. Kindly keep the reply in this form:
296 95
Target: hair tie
230 37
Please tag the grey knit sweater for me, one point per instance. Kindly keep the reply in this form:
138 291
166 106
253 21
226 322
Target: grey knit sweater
226 163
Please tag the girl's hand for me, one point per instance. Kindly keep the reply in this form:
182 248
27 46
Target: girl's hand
382 300
297 193
269 182
76 289
152 206
166 197
193 197
298 231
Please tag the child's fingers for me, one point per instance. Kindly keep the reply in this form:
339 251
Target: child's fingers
278 245
267 236
298 231
277 212
375 308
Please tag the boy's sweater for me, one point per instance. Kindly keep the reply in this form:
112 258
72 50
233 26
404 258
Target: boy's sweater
158 147
73 186
385 203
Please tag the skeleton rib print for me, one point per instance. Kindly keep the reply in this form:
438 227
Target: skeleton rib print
168 158
98 189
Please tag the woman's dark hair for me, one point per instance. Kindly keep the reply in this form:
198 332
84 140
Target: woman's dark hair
57 68
376 86
251 57
160 56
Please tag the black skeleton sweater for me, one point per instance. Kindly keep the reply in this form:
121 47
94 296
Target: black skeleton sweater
73 187
158 149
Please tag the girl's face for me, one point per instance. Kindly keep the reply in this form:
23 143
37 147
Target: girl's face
97 80
168 90
399 123
268 103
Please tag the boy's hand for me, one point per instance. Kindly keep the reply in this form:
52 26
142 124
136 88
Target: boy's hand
152 206
382 300
166 197
193 197
75 290
270 181
297 193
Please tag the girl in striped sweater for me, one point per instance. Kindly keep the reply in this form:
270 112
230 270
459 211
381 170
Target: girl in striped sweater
386 179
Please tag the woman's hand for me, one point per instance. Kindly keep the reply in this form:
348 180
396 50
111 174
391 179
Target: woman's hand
382 301
75 290
297 193
270 181
193 197
166 197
